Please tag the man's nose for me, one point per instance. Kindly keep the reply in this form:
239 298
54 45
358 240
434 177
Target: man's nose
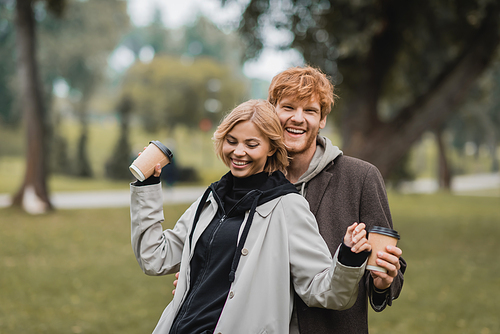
298 116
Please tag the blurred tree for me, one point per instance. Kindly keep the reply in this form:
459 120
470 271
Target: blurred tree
184 76
120 159
155 35
478 120
33 194
76 47
7 65
444 171
200 39
401 67
203 38
170 91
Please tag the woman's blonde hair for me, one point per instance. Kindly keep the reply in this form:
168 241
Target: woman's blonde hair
262 114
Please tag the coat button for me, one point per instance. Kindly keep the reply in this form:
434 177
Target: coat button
231 295
244 252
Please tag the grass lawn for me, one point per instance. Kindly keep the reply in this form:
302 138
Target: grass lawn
452 284
73 271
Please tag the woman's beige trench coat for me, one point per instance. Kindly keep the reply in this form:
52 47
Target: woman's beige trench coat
283 252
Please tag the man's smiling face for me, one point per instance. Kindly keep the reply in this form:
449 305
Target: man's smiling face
301 122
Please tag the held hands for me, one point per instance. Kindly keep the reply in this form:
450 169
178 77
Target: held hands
390 261
355 238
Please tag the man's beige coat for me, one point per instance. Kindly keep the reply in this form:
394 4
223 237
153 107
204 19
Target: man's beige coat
283 253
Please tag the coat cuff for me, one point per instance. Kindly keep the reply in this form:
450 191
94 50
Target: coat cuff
379 299
351 259
147 182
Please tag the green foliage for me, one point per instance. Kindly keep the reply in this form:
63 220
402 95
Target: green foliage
75 48
195 74
478 120
395 63
8 114
340 36
78 273
202 39
176 91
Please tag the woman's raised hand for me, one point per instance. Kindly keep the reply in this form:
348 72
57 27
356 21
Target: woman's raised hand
355 238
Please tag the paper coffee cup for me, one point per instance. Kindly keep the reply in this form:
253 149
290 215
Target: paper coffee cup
144 166
379 238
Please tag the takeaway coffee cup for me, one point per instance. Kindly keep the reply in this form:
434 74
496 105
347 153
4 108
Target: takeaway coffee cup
380 237
144 166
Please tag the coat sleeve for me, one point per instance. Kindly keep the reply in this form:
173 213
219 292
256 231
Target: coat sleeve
317 278
374 210
158 252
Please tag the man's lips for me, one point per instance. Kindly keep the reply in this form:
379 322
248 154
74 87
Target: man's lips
295 131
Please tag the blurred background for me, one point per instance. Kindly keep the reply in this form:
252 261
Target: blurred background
86 84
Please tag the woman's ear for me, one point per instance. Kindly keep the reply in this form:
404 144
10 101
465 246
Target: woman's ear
271 152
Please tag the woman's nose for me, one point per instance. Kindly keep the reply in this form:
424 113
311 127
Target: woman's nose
239 150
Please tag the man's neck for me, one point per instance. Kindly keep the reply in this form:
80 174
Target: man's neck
299 164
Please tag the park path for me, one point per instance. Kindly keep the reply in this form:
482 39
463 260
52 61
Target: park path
112 198
180 195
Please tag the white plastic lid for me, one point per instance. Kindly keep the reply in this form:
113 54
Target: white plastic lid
137 173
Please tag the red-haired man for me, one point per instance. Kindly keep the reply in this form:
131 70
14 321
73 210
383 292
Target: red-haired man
340 190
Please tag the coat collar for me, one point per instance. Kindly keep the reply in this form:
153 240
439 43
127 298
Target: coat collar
265 209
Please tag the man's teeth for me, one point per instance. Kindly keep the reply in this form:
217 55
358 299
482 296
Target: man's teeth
295 131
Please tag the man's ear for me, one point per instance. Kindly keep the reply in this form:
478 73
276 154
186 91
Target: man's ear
322 123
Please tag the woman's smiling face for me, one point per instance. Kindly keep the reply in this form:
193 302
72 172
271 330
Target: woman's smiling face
245 149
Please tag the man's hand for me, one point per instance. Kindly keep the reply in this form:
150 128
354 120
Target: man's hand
390 261
175 283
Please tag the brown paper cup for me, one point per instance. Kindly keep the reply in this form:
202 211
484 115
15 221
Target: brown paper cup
379 238
144 166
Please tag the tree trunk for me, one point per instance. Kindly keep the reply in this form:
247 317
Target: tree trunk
32 196
444 174
83 166
383 144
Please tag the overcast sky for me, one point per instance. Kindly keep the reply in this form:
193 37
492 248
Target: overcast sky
176 13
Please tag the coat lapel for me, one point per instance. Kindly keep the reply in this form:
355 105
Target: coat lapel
206 218
316 190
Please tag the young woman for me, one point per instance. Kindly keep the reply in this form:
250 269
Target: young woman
245 245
